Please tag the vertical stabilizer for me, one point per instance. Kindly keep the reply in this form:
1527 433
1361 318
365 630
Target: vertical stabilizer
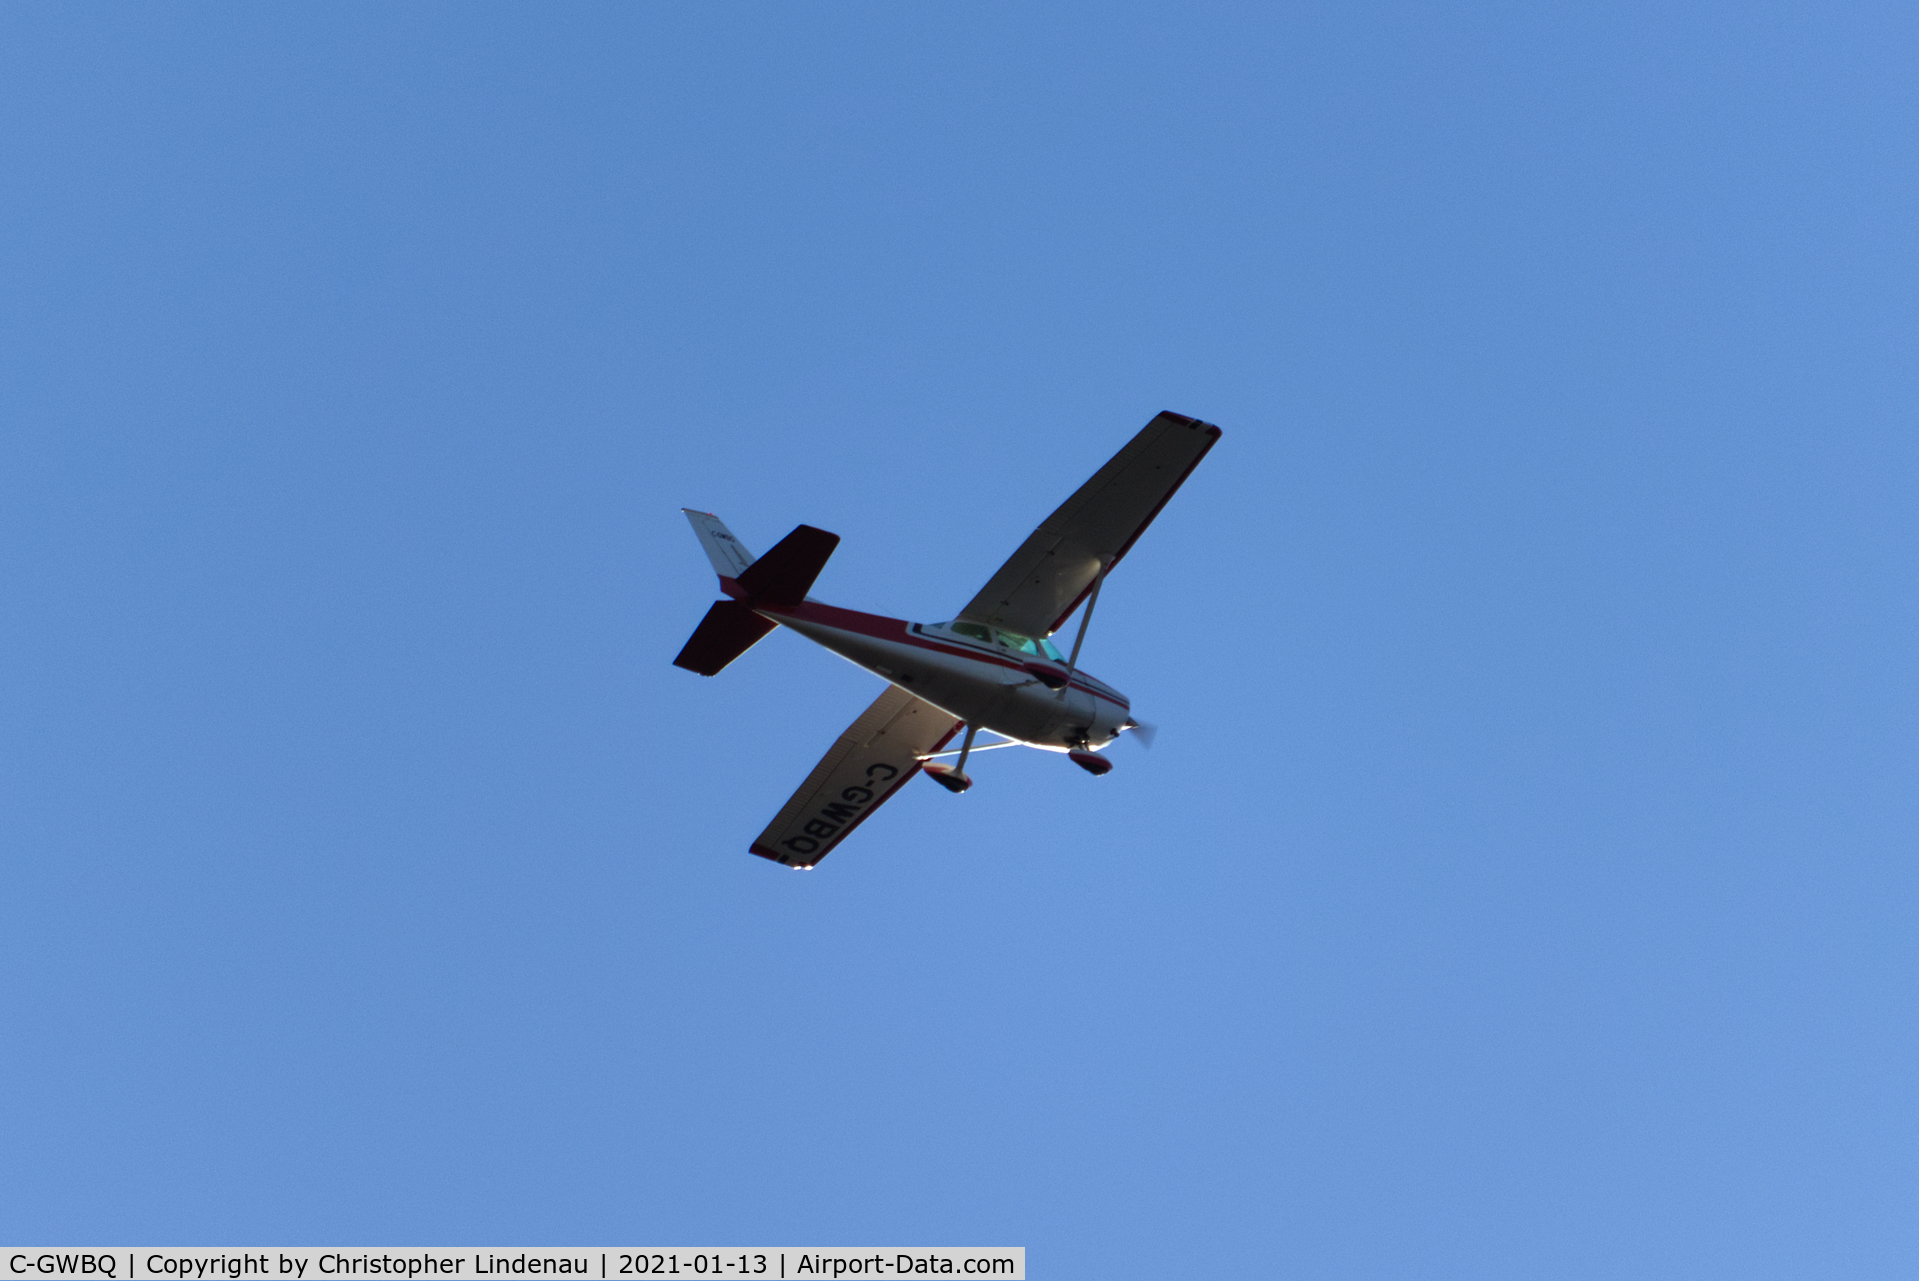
729 556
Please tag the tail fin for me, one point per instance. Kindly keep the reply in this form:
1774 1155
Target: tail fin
729 556
781 577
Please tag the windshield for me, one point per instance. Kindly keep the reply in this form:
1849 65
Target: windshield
1019 643
1037 647
1041 648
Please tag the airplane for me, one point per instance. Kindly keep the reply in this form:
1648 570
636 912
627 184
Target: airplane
994 667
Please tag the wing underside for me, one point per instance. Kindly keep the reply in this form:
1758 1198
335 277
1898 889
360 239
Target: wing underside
1038 589
872 760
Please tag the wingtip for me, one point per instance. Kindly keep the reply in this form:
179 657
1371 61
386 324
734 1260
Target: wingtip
774 856
1190 421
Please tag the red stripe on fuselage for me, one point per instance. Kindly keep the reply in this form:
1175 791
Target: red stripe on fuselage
899 631
878 626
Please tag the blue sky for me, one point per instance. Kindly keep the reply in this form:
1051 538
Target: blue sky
1522 883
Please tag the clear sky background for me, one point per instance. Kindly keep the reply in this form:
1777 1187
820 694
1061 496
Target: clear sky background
1522 884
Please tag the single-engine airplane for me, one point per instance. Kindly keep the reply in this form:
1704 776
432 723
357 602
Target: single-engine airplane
994 667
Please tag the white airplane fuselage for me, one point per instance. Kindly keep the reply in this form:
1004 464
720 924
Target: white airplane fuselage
984 684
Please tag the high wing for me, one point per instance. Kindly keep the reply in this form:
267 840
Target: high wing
1038 589
872 760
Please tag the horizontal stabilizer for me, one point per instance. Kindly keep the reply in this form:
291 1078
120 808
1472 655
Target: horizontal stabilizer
729 629
784 574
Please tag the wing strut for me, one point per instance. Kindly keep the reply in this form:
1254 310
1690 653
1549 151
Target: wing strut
1072 664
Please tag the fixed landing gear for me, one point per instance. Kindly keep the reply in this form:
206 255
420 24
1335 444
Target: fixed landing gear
953 777
1092 762
947 777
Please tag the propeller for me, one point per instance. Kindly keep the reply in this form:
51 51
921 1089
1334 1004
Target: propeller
1142 731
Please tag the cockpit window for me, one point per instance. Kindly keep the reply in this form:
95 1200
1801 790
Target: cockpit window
1023 644
1038 648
